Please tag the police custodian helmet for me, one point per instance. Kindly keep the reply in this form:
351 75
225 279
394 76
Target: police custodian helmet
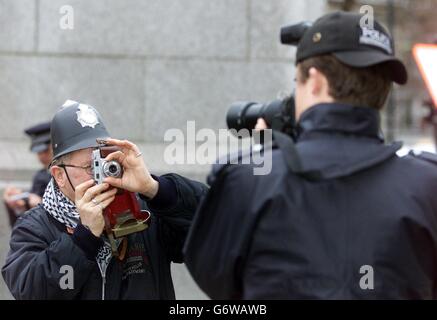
74 127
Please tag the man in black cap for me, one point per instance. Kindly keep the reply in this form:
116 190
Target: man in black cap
340 216
66 232
17 201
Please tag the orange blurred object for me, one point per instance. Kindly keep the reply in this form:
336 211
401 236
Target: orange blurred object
426 58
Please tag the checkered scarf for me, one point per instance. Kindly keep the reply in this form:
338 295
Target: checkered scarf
59 206
64 210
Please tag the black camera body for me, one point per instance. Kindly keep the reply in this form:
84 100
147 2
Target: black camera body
278 114
291 35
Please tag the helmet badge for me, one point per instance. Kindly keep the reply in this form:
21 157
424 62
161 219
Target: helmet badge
86 116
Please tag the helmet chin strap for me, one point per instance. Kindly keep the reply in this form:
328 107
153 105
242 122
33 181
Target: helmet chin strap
68 177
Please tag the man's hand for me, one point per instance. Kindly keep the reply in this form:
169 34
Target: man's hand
90 201
136 176
261 124
10 191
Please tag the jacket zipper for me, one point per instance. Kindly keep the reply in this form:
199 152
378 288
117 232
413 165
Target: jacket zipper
103 286
103 274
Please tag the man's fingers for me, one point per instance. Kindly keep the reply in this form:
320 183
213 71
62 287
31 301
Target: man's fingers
261 124
119 143
92 192
115 182
107 202
123 144
82 188
105 195
117 156
11 191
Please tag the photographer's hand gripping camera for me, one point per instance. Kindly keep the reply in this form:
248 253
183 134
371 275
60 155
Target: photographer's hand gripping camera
123 216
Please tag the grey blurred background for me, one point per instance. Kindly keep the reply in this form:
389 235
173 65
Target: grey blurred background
150 65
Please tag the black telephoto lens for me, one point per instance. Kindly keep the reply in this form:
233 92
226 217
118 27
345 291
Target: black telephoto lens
243 115
278 114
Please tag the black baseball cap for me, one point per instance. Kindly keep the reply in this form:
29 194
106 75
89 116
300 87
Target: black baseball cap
40 136
352 42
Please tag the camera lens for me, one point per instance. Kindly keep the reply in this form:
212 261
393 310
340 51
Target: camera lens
112 169
243 115
278 114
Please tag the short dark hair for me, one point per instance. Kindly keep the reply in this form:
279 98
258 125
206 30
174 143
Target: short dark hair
367 86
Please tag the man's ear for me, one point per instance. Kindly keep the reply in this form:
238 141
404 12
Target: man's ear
317 81
319 86
58 174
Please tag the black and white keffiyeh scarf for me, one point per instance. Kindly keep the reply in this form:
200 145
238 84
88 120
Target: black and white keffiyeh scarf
59 206
64 210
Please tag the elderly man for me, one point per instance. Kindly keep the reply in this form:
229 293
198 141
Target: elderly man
66 232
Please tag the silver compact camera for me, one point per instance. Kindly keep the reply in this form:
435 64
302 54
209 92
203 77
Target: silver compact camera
103 168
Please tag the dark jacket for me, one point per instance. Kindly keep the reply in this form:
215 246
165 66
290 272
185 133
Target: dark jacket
366 229
40 246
